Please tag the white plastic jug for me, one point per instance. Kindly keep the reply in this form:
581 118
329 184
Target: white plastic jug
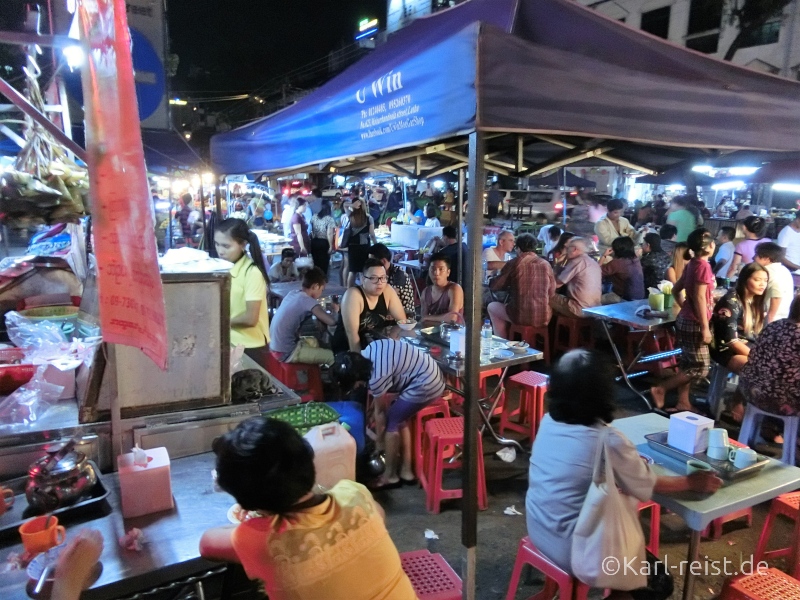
334 453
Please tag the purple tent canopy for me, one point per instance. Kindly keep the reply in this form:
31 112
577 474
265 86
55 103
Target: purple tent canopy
531 66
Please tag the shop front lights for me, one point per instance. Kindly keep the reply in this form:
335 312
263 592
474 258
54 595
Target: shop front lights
786 187
728 185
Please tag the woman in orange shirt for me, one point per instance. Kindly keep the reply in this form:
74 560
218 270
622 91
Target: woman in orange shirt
302 542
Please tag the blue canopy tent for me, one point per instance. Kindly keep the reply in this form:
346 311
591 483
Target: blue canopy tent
518 87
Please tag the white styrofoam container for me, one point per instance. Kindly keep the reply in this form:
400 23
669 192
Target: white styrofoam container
688 432
334 453
62 372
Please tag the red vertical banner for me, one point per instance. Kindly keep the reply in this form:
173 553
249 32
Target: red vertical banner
131 299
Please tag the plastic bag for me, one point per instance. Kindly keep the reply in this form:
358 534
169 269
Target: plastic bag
27 404
25 333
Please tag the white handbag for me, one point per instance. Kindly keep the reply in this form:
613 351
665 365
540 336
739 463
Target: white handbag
608 544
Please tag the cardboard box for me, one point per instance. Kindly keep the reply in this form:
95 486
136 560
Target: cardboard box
688 432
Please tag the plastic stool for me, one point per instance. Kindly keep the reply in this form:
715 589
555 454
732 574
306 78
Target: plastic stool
655 524
439 434
482 377
787 505
431 577
768 584
751 426
304 379
714 529
556 579
438 408
579 333
531 334
716 389
532 388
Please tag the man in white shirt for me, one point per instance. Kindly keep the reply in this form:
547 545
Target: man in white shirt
780 289
725 249
789 239
497 256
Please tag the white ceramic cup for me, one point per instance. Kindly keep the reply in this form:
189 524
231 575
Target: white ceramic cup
717 438
742 457
718 452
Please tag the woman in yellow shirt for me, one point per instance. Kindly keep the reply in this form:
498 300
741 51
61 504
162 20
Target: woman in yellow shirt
249 317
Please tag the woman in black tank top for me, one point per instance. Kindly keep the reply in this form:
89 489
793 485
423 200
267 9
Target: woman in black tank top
387 307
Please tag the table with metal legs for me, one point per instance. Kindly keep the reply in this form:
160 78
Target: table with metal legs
624 313
698 510
426 338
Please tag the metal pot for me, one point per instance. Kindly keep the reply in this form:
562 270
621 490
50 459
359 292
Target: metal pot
59 478
445 329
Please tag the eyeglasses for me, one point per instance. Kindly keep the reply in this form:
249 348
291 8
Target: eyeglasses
376 279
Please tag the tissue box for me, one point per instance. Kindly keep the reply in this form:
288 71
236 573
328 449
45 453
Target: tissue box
145 490
688 432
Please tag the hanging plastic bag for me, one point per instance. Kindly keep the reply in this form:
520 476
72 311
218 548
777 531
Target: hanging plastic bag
27 404
25 333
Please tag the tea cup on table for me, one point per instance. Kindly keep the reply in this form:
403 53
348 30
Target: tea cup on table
717 437
41 533
718 452
6 499
656 301
742 457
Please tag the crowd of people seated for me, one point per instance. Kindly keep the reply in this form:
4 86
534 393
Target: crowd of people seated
304 542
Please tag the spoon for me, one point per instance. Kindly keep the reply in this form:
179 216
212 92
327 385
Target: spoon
43 577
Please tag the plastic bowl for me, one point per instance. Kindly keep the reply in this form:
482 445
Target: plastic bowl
518 347
407 325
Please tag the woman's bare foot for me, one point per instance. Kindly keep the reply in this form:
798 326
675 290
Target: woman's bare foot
658 394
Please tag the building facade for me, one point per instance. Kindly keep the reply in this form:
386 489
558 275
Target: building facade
400 13
705 26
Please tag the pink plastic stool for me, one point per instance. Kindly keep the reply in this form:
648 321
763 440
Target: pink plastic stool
769 584
556 579
655 524
431 577
438 408
532 387
714 529
304 379
532 335
440 436
787 505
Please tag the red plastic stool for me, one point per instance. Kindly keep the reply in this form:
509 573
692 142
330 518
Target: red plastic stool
786 505
439 408
304 379
655 524
431 577
769 584
439 435
556 579
714 529
532 387
482 377
532 335
579 333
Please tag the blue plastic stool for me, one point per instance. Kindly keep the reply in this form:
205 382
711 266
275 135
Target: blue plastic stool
751 427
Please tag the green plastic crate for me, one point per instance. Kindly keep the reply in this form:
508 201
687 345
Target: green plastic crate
305 416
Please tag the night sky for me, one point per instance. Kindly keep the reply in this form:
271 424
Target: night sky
240 45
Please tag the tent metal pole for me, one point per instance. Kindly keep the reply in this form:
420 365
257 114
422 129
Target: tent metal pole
462 181
564 201
218 200
472 314
168 243
203 245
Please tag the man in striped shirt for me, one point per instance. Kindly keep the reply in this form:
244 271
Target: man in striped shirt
393 370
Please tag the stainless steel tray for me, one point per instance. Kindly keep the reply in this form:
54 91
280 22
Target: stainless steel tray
91 506
725 469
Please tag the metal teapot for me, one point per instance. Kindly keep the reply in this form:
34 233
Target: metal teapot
59 478
445 329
